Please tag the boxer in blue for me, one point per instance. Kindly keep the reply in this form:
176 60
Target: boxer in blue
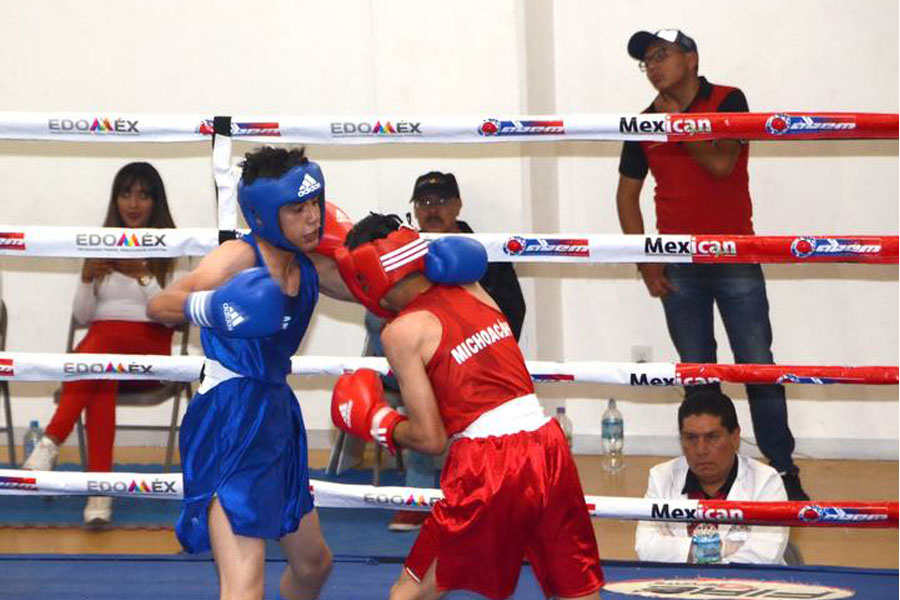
243 442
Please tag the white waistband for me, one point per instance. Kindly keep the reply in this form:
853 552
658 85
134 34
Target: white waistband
214 374
521 414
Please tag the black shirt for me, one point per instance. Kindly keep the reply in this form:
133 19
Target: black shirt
693 489
502 284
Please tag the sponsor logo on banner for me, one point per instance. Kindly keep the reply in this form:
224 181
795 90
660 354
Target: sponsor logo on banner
644 379
708 588
6 367
376 129
791 378
83 368
517 246
665 512
832 514
238 129
492 127
123 241
10 240
156 486
657 247
552 377
400 500
94 126
806 247
18 483
781 124
665 126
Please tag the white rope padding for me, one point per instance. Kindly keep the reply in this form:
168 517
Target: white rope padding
226 182
106 242
493 128
35 366
336 495
113 242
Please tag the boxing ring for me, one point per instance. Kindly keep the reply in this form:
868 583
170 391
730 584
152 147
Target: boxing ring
356 576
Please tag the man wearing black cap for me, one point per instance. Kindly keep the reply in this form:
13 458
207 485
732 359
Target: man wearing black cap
436 205
703 188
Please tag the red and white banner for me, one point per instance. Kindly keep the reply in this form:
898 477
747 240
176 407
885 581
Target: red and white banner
880 249
488 128
588 248
113 242
336 495
35 366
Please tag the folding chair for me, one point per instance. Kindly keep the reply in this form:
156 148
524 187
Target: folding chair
4 392
152 396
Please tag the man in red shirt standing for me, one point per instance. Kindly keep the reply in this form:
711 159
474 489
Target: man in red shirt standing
703 188
511 488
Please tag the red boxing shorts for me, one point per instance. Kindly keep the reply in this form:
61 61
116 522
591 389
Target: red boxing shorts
506 498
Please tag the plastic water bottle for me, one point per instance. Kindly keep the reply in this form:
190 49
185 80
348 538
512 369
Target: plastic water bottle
565 423
707 544
613 432
32 437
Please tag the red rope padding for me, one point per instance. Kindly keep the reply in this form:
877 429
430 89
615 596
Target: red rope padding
781 126
754 373
875 249
800 514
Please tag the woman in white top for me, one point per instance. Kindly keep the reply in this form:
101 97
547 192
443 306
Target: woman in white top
112 298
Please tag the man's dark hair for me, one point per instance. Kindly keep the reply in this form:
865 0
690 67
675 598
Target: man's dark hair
267 161
709 402
373 227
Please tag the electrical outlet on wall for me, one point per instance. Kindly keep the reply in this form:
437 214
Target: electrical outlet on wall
642 354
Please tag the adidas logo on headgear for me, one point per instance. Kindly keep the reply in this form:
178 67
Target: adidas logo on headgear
308 186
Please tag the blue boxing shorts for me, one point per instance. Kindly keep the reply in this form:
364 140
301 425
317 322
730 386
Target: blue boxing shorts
243 441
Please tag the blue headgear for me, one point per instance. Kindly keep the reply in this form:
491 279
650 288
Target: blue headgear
261 200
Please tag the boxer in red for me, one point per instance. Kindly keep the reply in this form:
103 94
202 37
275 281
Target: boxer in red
511 489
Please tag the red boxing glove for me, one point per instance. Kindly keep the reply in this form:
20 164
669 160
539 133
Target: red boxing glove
336 226
358 407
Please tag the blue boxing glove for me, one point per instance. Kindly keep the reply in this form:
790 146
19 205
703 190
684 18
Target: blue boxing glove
249 305
455 260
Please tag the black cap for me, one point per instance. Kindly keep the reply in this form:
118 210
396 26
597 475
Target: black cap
434 182
639 42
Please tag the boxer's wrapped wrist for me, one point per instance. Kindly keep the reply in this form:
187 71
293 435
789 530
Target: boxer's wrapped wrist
383 423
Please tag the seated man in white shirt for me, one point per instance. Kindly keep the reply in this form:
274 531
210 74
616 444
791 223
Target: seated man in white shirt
711 468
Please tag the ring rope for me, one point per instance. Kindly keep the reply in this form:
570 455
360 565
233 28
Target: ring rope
336 495
117 242
37 366
368 129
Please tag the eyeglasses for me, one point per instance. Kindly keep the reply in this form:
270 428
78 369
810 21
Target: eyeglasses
655 58
429 201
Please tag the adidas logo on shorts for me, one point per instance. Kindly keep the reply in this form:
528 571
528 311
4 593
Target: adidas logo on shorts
308 186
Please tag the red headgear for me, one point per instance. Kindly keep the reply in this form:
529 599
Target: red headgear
371 269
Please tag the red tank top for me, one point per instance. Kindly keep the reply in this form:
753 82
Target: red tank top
688 198
477 365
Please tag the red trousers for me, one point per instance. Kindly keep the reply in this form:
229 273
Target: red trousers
98 396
